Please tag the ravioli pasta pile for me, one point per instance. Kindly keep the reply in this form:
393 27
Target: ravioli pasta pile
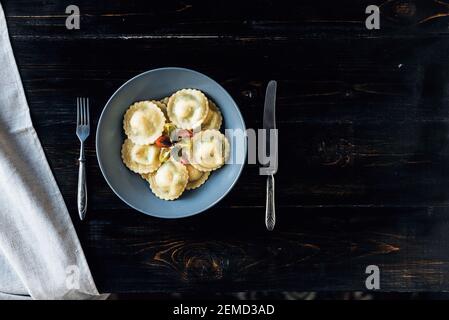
174 143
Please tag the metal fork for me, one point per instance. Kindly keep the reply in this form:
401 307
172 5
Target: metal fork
82 131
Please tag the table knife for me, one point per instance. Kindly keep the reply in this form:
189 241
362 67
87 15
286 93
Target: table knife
270 168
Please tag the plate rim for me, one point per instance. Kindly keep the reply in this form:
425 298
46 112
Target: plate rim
99 157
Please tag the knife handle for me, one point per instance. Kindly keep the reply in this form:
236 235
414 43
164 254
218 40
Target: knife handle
270 215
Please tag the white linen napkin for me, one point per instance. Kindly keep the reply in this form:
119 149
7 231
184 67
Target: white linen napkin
40 254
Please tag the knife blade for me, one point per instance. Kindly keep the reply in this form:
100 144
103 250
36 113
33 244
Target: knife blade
271 147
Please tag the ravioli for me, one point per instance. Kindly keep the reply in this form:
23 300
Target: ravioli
174 143
144 122
140 158
169 181
213 119
196 177
161 105
187 108
209 151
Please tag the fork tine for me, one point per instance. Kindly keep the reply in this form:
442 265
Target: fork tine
81 112
84 112
78 111
88 113
86 120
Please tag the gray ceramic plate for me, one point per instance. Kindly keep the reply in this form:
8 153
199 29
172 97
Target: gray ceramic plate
156 84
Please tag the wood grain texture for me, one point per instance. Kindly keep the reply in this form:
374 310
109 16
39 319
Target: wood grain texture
364 131
313 248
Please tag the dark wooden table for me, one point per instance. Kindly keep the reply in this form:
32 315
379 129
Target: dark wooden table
364 139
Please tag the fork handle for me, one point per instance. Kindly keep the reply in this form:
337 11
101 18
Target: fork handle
270 214
82 189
